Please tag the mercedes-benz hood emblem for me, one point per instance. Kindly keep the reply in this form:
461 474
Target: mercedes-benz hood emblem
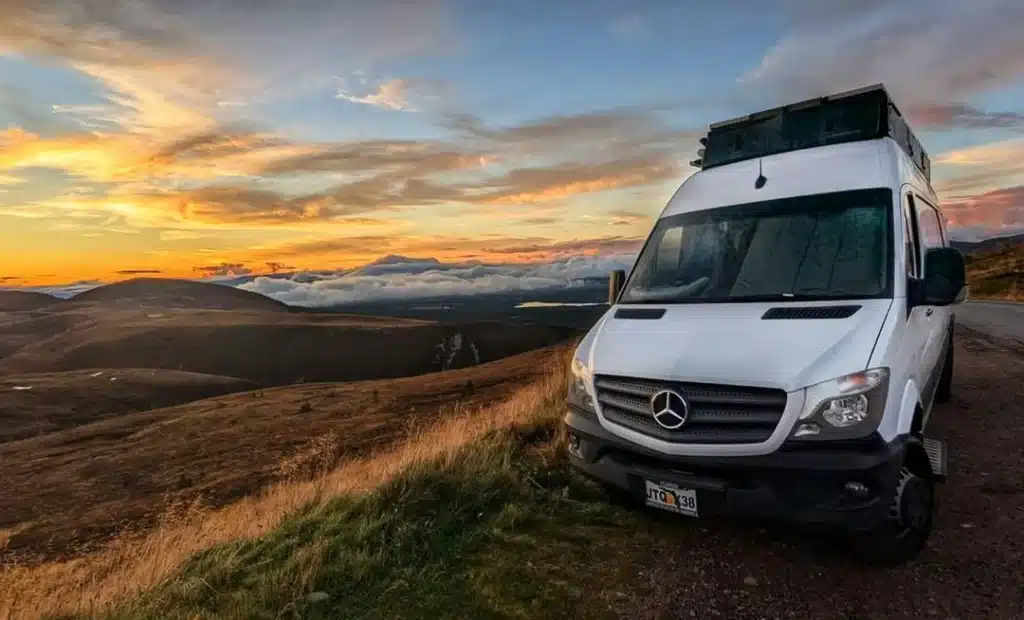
670 409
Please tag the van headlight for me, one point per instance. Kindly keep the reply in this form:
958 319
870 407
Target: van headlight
847 407
579 377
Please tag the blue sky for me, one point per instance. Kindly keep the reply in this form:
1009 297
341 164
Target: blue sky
188 137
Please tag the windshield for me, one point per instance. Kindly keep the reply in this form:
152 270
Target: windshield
824 246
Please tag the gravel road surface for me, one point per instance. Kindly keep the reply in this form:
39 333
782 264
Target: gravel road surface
973 568
1003 319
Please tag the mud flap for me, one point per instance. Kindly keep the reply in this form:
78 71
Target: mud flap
936 451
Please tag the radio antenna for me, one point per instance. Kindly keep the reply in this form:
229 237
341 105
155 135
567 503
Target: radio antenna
761 180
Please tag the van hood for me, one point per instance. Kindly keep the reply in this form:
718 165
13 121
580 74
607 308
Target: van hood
733 344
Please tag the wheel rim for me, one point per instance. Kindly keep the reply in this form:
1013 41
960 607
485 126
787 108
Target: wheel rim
914 503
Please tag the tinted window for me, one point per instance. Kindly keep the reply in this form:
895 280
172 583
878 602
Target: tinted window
823 246
910 238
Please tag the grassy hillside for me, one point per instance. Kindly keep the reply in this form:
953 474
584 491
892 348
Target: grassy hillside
426 473
497 529
25 300
217 450
32 405
997 273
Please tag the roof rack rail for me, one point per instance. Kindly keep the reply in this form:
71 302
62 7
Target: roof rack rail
861 114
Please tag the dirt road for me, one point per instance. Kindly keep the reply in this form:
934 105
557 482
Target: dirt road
972 568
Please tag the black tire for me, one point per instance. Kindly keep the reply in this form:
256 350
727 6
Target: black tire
911 518
944 391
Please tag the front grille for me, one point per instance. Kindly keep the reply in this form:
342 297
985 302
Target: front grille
718 413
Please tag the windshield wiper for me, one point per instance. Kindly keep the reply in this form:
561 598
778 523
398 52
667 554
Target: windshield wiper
787 297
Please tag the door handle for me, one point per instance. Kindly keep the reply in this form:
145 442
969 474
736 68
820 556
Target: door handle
928 312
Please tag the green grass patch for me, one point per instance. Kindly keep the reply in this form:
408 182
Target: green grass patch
503 530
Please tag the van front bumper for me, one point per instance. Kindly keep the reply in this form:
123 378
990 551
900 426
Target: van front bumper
808 483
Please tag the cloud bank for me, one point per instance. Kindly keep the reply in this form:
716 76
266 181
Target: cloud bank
403 278
392 278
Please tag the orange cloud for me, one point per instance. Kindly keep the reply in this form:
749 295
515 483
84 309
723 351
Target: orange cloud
992 211
952 115
350 251
533 185
969 171
132 157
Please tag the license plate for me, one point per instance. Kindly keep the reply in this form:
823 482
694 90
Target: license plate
672 498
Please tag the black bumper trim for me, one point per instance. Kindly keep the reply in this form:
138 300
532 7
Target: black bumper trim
802 484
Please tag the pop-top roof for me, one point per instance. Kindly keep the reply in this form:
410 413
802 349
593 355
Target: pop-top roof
862 114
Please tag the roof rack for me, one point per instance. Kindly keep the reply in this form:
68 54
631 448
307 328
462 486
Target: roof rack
862 114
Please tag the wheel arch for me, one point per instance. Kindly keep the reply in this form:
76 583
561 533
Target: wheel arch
911 417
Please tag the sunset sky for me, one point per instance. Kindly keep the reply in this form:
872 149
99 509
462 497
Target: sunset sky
189 138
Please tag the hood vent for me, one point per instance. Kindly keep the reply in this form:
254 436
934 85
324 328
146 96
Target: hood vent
811 312
640 313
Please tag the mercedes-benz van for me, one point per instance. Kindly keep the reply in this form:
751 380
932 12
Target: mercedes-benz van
780 340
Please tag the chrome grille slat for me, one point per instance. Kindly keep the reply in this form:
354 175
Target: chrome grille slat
718 413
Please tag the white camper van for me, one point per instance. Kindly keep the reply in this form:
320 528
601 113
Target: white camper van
777 347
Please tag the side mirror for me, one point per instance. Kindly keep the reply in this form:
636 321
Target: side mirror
945 280
615 282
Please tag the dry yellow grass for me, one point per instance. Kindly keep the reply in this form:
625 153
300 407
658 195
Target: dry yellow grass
95 582
997 274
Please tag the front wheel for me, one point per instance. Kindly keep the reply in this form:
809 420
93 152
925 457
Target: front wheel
904 534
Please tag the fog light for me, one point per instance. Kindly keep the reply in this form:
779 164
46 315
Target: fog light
856 488
574 444
807 429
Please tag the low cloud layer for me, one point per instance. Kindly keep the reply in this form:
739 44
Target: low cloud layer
389 278
402 278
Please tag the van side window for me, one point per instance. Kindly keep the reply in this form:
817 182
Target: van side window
929 225
910 239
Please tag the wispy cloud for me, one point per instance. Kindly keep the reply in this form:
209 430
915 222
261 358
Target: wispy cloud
995 212
962 116
169 63
586 154
980 169
138 272
395 93
223 269
926 51
346 251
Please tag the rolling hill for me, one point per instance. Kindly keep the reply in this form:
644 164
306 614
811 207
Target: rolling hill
168 293
32 405
996 272
221 448
271 348
985 245
211 329
17 301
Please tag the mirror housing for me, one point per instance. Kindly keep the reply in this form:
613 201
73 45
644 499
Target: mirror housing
945 279
615 282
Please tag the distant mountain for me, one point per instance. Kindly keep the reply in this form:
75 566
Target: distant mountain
171 293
